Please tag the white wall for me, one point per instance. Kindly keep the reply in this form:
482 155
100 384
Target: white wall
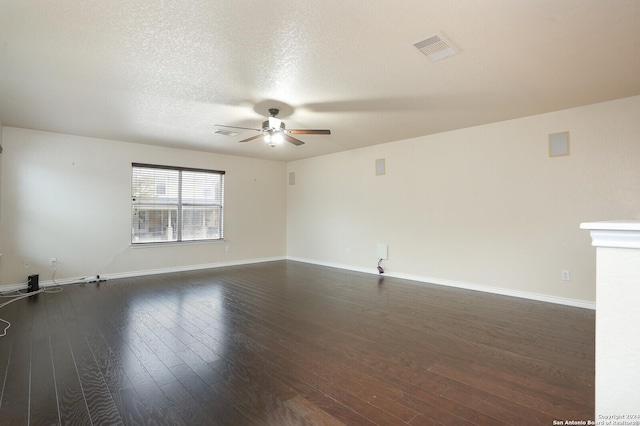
480 207
70 197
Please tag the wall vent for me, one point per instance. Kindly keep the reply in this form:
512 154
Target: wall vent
226 133
436 47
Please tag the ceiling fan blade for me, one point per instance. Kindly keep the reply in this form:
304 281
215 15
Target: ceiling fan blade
236 127
293 140
251 138
308 132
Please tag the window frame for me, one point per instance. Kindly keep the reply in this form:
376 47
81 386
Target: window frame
180 205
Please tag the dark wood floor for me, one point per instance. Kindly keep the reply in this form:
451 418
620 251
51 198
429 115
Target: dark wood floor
286 343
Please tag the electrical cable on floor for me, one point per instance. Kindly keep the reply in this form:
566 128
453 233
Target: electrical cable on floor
19 295
4 332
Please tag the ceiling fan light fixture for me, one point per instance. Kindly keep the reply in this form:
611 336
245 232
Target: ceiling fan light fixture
273 138
277 138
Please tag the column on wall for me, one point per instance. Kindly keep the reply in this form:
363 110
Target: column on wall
617 319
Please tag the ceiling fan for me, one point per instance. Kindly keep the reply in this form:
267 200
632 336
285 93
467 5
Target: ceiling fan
274 132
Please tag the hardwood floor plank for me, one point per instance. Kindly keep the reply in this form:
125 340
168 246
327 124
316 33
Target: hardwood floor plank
151 361
99 400
15 396
353 381
214 404
406 412
320 400
135 393
311 412
6 347
179 395
44 396
442 412
72 405
317 381
552 405
496 407
127 401
102 408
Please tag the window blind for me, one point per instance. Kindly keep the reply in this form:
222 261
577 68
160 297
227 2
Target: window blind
176 204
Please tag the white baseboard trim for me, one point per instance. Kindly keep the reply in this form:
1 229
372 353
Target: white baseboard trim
12 287
114 276
190 267
450 283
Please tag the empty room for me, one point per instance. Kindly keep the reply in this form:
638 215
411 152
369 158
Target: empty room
319 213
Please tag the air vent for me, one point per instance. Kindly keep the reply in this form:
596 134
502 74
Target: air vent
226 133
436 47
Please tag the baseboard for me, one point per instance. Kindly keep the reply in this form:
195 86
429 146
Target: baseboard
191 267
464 285
12 287
130 274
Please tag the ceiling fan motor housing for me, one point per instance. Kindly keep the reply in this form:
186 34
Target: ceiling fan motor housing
273 124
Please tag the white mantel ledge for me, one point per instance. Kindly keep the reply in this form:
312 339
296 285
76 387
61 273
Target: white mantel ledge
614 233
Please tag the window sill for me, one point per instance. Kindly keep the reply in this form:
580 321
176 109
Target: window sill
175 243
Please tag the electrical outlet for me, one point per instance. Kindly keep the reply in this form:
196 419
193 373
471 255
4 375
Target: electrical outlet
227 249
53 262
26 265
565 275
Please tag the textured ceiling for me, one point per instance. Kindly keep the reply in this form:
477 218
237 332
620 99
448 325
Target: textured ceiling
165 72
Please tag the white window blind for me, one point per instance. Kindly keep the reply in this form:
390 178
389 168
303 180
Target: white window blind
175 204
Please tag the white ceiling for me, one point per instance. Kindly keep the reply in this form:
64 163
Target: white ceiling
164 72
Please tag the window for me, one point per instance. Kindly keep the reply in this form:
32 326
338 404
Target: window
175 204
